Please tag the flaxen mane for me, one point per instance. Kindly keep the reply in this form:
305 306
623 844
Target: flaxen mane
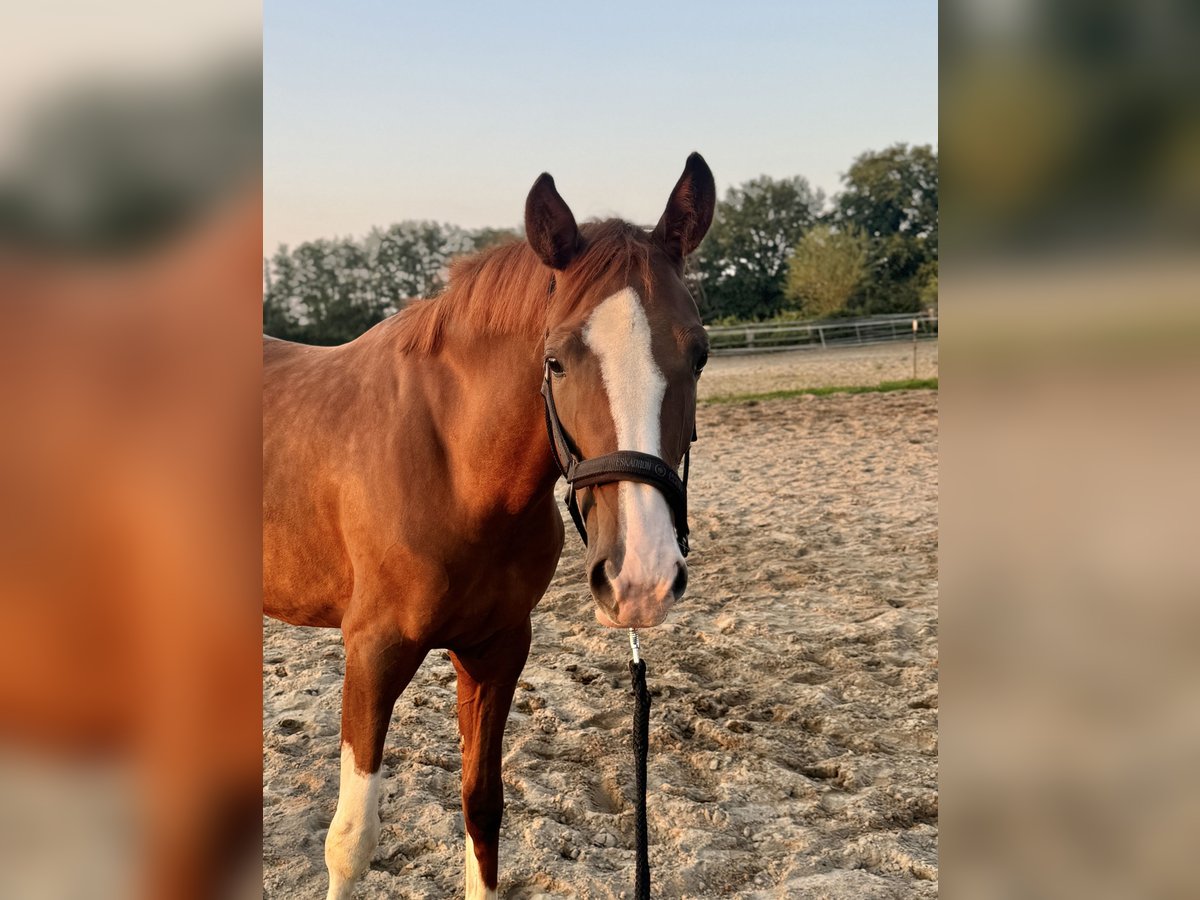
505 289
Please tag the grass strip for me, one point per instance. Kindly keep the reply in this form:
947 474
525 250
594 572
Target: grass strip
909 384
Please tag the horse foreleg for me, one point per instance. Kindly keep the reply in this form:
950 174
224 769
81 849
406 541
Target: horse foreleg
487 676
377 670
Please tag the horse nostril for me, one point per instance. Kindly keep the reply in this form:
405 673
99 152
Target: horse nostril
679 585
599 581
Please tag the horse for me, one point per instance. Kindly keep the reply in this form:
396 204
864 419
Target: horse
408 480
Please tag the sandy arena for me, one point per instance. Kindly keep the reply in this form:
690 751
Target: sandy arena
794 732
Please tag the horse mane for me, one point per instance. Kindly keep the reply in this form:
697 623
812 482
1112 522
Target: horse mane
505 289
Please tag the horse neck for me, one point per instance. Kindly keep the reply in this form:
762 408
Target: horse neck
497 431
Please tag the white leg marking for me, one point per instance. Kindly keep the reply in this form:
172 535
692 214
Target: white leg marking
619 334
354 832
476 888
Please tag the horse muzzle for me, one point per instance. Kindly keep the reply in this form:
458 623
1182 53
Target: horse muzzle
630 599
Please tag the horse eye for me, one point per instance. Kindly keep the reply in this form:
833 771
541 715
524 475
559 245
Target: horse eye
701 363
556 368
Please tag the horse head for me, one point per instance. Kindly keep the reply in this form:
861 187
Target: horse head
623 350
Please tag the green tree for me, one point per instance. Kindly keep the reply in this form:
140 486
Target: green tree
825 269
740 268
329 292
333 292
483 238
891 191
892 195
929 293
281 313
410 259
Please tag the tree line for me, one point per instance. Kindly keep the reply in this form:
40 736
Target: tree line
777 249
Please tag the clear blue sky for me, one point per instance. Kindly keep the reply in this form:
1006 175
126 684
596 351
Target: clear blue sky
381 111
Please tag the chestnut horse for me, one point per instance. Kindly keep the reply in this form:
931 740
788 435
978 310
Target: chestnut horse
408 480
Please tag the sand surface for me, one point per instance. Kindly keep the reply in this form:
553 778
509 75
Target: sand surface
794 727
759 373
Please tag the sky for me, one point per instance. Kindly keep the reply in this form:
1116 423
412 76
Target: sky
376 112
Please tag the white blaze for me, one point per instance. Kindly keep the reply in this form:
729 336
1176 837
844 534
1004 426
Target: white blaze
619 334
354 832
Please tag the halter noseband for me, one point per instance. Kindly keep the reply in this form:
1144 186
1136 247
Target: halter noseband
621 465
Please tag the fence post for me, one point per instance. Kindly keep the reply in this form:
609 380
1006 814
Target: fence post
914 349
749 339
821 332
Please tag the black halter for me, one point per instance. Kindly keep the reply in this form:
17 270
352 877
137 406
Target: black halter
622 465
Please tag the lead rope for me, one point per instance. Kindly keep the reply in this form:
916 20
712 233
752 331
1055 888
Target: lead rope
641 748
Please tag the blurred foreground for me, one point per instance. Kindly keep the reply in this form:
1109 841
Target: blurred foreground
1071 304
130 271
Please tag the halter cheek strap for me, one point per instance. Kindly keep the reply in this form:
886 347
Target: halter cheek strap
621 465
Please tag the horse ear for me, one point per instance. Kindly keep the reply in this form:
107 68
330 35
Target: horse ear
549 225
689 211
